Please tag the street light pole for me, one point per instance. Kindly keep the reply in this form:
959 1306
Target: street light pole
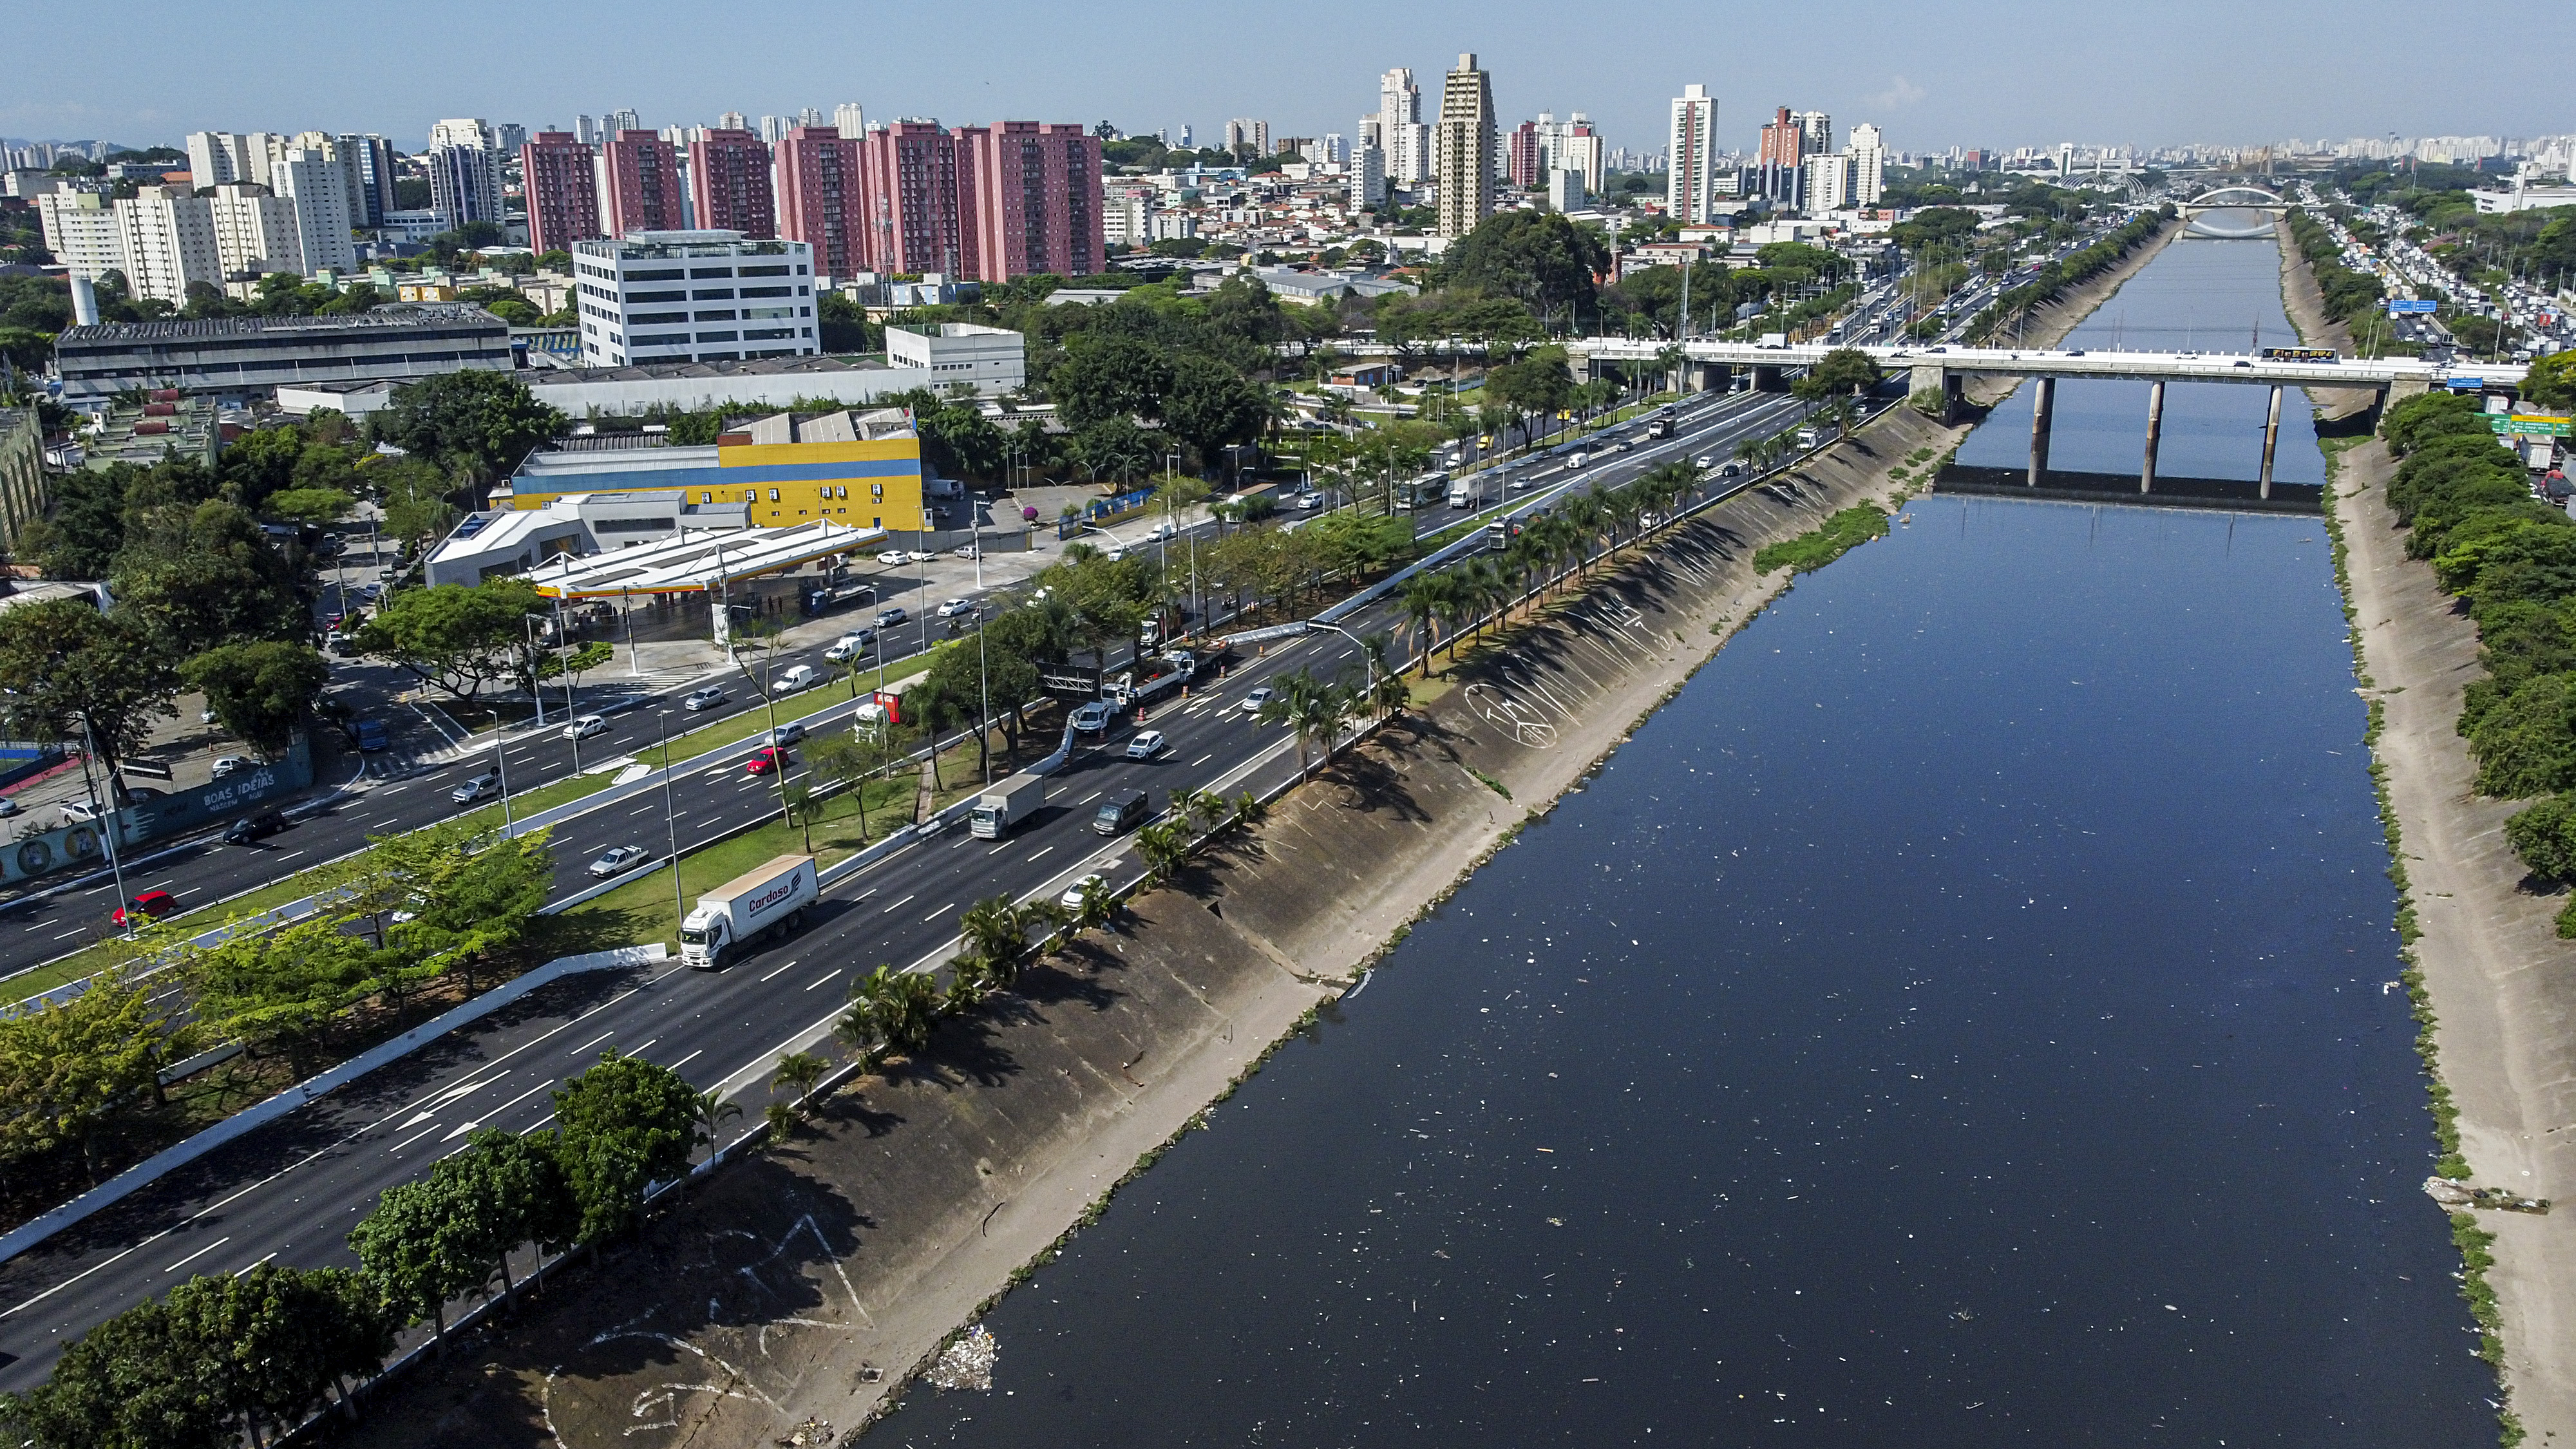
670 820
107 825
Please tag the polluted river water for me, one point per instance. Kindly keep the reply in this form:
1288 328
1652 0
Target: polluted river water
1965 1014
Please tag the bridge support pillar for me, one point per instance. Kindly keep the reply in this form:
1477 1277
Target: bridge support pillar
2155 434
1934 378
2271 440
2043 405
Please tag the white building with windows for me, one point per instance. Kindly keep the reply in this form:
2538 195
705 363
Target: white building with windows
693 296
1868 164
81 232
318 186
1690 185
168 240
255 234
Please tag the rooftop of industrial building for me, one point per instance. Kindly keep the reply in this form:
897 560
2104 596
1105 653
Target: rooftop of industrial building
391 315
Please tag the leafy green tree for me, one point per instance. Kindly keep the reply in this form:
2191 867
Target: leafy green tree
416 496
1105 377
67 1067
474 896
890 1010
424 1243
1538 258
280 991
2544 835
309 505
1211 405
477 422
260 691
1840 373
797 1072
202 575
520 1191
626 1124
1119 451
287 1336
139 1380
260 463
64 665
457 637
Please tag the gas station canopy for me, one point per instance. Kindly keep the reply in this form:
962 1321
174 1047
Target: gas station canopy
699 562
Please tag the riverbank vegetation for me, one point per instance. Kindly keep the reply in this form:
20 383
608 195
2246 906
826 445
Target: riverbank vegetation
2351 298
1837 535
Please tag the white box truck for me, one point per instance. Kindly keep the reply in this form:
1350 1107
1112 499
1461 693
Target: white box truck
768 901
1462 493
1006 805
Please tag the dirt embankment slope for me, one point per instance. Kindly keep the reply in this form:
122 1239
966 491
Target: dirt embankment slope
806 1285
2501 984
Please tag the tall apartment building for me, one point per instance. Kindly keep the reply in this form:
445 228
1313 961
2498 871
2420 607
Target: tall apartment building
1783 140
464 174
1400 129
914 216
1571 145
1869 165
729 185
1829 181
167 238
255 234
1520 155
731 121
81 231
1243 131
558 174
1368 174
1127 215
819 197
316 184
1690 178
366 169
1027 190
216 157
1466 148
693 296
850 119
639 184
616 121
1815 133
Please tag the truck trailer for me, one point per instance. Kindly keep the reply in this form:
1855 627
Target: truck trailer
1006 805
768 901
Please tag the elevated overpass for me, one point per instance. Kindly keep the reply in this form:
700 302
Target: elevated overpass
1942 369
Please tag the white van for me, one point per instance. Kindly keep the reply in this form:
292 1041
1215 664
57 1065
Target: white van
801 676
1578 460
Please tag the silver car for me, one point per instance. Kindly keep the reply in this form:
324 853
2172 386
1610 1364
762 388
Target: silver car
617 860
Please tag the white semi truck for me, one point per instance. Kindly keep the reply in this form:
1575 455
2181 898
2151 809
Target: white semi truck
768 901
1006 805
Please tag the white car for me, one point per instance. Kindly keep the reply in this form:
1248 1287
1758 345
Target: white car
1309 502
848 647
618 860
955 607
892 557
1082 890
231 764
1147 745
585 726
1253 702
917 556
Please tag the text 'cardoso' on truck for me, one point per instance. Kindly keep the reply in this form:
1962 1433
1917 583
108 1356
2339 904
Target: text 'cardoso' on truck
770 900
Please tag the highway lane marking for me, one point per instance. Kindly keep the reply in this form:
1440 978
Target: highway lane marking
92 1268
788 966
1044 849
594 1041
639 1051
1094 795
397 1148
691 1057
245 1268
935 915
907 900
74 931
826 979
1201 760
290 855
201 1252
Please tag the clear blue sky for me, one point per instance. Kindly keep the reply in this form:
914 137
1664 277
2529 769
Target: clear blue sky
1969 72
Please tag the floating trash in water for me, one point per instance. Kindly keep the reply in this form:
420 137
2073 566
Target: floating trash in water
968 1363
812 1434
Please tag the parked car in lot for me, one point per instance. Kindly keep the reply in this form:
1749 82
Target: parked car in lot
888 618
227 765
891 557
585 727
849 646
794 678
955 607
919 556
1082 890
707 698
618 859
153 905
1253 702
1147 745
764 760
254 827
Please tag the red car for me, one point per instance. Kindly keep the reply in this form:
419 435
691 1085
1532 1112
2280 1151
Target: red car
764 760
152 904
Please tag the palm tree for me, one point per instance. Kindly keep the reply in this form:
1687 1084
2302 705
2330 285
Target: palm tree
889 1011
1165 847
1249 808
709 1114
995 937
1423 596
798 1072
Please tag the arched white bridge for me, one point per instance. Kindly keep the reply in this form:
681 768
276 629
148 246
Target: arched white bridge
2232 198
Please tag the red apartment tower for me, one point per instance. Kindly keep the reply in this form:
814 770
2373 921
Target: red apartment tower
1523 161
1781 140
915 216
1029 192
819 197
729 182
562 191
640 175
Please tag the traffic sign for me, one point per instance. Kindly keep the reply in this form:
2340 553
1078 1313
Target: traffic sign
2532 425
2399 306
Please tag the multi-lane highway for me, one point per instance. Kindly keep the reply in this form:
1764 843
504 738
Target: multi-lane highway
290 1191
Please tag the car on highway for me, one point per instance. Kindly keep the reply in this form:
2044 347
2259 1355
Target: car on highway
1253 702
1310 501
787 734
707 698
585 726
228 765
481 787
1081 891
153 905
254 827
1147 745
764 760
795 677
891 557
849 646
955 607
888 618
1705 460
1090 719
617 860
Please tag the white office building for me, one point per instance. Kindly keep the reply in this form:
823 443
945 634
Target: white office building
693 296
81 231
318 188
1127 215
1400 129
168 240
1868 165
1829 182
1690 183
